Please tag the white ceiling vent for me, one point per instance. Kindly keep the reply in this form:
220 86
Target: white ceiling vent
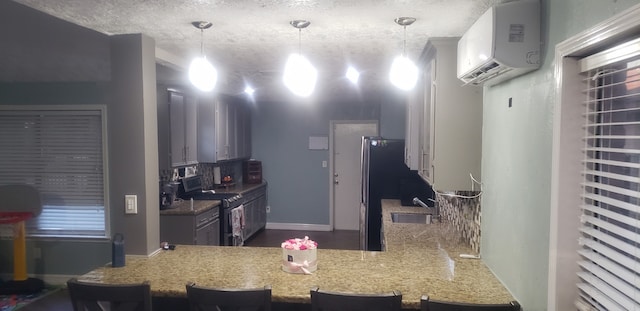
503 43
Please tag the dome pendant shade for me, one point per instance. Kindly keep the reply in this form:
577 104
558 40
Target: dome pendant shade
299 75
202 74
404 73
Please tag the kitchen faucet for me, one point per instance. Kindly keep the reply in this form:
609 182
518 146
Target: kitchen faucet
434 207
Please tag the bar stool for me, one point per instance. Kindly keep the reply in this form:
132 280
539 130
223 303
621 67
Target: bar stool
427 304
226 299
118 297
322 300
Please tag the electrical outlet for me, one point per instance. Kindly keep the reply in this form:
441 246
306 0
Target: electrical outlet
130 204
268 209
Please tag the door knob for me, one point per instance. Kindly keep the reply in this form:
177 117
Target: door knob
335 181
335 175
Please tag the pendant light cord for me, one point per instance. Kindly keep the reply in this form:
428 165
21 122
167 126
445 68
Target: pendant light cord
202 42
300 41
404 42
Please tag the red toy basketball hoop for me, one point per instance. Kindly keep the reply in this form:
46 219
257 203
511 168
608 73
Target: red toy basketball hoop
20 203
13 217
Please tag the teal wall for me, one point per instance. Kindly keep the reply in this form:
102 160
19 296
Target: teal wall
298 184
516 157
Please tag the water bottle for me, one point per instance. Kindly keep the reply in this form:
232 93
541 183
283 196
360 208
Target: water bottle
117 250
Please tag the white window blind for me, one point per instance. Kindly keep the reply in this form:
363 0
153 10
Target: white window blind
610 234
60 151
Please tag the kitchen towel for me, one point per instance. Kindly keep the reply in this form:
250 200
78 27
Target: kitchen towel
237 224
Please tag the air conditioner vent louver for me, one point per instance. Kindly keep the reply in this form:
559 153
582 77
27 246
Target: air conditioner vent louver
503 43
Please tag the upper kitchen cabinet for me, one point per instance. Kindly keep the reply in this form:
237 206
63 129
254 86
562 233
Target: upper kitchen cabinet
449 134
223 130
183 128
413 131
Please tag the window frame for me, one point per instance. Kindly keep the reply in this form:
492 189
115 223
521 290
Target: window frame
6 230
566 151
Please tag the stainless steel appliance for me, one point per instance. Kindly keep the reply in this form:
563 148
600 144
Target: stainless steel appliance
192 189
383 169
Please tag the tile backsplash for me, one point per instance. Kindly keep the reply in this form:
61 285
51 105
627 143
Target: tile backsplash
231 168
462 209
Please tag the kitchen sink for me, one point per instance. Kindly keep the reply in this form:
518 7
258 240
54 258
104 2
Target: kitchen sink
411 218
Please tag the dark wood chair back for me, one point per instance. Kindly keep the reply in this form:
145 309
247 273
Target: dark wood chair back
322 300
87 296
427 304
228 299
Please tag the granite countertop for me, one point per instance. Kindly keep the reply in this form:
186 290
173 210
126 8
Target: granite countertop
420 260
183 207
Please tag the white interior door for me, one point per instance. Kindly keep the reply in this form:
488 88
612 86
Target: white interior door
346 152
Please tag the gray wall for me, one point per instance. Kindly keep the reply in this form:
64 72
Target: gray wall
57 257
67 52
298 189
516 158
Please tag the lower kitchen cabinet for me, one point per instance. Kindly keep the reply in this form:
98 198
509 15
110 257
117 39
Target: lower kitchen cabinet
198 229
255 211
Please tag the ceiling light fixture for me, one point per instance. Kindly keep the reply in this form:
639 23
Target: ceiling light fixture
404 73
201 72
353 75
299 74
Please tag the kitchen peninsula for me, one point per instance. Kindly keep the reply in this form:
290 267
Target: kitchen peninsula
419 259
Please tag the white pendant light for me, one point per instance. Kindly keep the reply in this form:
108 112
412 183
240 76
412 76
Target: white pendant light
404 73
201 73
299 74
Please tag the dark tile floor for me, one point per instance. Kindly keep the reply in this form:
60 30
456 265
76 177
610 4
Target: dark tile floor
339 239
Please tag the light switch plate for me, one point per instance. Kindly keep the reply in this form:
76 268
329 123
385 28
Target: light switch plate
130 204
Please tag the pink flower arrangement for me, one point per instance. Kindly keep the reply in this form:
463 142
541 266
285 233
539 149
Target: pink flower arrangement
299 244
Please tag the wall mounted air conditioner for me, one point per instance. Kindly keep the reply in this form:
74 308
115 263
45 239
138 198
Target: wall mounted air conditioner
503 43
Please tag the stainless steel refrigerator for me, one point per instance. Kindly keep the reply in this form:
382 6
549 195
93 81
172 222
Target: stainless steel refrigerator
383 169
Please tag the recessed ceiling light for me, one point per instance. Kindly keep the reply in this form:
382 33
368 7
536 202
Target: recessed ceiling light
353 75
249 90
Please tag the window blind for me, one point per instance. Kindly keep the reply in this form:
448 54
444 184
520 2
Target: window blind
59 151
610 233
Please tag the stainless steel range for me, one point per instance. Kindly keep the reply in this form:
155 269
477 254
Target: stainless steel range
191 188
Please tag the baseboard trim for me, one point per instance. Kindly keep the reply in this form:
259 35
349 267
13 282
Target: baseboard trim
289 226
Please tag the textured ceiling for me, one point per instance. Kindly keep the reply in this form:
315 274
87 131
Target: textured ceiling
250 39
